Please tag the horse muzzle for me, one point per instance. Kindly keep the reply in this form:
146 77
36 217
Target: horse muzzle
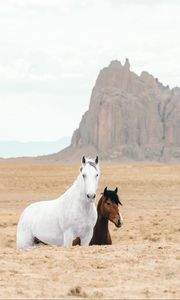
91 197
118 222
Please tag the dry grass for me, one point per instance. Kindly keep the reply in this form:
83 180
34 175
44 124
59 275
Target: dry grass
144 261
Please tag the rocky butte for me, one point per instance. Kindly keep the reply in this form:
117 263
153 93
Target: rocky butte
130 117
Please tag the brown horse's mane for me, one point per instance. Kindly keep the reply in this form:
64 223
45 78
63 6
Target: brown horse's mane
112 195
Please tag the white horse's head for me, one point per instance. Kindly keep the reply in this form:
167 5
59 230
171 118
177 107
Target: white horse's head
90 175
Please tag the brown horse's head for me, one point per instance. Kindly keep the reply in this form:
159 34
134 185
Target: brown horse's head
108 207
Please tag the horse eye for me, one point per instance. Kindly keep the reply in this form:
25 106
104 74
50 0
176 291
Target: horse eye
108 203
84 175
97 175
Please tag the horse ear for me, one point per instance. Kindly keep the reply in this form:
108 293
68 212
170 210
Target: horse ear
105 191
116 190
96 160
83 160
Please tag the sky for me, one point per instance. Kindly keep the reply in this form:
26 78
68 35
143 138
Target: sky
51 52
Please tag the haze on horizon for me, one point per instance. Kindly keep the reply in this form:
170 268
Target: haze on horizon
52 51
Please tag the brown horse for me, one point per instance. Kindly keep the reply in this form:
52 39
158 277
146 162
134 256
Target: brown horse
107 211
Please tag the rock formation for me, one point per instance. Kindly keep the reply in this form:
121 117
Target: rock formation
130 117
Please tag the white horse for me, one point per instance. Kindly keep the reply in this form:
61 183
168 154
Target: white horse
60 221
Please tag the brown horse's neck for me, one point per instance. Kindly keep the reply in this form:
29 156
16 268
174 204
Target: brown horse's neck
102 223
101 235
101 228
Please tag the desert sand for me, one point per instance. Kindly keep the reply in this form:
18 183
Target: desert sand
142 263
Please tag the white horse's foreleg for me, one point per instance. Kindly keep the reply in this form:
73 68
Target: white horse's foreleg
68 238
85 240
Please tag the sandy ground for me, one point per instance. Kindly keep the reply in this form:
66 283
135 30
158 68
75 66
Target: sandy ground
142 263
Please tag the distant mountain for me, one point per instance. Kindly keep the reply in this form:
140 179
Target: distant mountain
20 149
130 117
